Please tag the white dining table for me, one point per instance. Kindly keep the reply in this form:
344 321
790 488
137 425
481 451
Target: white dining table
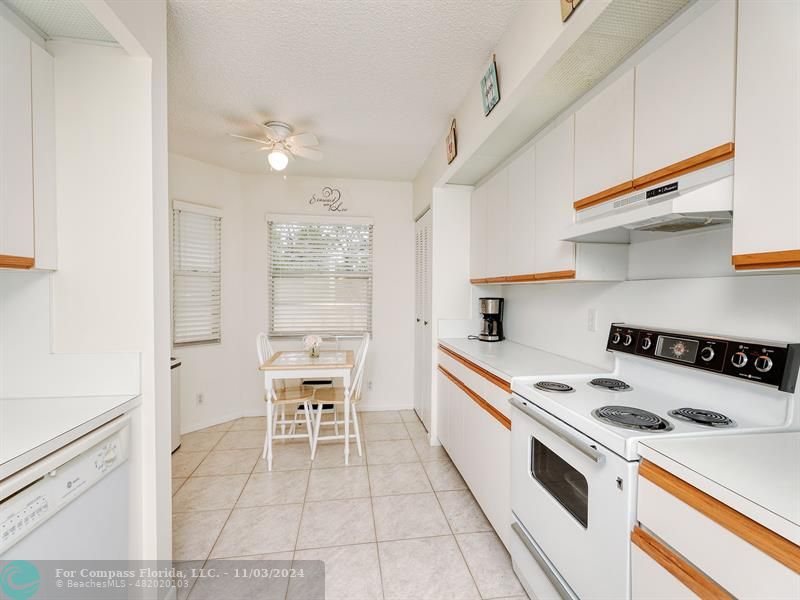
296 364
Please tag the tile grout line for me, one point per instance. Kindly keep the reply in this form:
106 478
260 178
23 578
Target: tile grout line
374 525
452 533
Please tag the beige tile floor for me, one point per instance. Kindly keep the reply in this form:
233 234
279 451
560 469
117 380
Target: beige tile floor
396 524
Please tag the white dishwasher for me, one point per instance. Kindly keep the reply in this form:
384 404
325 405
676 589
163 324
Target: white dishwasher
73 503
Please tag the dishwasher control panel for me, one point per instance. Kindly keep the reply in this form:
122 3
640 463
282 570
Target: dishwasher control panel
25 510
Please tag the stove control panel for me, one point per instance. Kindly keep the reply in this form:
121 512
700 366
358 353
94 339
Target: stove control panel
769 363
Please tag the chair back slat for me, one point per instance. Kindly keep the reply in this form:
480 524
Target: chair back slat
263 348
361 359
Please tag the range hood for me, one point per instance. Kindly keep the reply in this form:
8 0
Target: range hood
699 199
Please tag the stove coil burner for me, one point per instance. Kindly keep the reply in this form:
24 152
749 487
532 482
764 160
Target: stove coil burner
631 418
553 386
606 383
699 416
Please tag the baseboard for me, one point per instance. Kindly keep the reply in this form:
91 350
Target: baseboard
192 427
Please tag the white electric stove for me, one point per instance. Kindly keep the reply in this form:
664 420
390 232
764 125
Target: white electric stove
574 444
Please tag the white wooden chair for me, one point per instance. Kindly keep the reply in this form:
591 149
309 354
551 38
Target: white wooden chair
336 396
278 399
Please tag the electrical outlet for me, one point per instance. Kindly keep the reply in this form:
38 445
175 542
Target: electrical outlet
591 322
200 398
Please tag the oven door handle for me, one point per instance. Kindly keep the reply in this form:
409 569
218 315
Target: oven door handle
573 441
552 577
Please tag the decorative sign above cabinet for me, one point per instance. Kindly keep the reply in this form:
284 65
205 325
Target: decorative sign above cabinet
451 143
567 7
490 89
329 198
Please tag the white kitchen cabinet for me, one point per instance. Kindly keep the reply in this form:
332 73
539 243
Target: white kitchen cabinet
707 541
478 234
478 444
553 199
766 189
521 188
651 581
44 158
16 164
442 408
497 217
604 140
684 102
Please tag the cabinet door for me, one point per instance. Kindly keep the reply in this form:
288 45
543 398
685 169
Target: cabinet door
521 191
766 189
497 225
553 199
651 581
16 163
604 139
442 409
44 158
478 234
685 91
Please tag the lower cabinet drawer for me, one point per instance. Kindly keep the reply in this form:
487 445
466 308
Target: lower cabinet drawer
733 562
651 581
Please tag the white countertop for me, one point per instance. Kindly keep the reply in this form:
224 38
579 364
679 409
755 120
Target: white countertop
31 428
508 359
755 474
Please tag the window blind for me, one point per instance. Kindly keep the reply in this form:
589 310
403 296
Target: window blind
196 274
320 278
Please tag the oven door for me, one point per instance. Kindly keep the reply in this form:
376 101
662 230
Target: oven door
575 498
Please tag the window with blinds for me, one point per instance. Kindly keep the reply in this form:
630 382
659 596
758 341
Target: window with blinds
320 277
196 274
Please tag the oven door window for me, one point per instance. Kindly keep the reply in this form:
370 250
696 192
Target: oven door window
564 483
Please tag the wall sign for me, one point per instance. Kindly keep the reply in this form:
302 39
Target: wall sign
329 198
567 7
451 143
490 88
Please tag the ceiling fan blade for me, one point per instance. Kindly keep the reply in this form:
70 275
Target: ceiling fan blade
244 137
303 139
271 134
304 152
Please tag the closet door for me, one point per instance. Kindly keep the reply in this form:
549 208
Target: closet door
423 320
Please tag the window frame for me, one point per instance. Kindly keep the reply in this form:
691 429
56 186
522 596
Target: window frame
209 211
321 220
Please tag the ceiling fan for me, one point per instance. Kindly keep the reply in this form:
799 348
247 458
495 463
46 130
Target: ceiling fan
282 144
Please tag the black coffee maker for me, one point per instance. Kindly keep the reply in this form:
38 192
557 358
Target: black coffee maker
491 310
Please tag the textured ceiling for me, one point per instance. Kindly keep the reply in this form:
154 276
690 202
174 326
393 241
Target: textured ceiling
376 81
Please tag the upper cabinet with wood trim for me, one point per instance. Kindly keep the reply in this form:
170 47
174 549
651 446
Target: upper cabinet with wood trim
604 144
16 163
497 218
553 199
478 234
684 103
44 158
521 195
766 188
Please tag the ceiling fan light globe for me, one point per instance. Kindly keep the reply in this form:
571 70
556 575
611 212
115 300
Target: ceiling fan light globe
278 160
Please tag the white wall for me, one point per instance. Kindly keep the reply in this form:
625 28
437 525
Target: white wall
216 371
554 316
226 374
529 46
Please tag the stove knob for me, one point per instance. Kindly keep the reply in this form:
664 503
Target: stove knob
739 359
707 353
615 338
628 340
763 363
646 343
